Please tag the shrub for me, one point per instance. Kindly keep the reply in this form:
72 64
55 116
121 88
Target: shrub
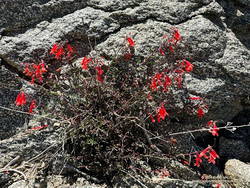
113 106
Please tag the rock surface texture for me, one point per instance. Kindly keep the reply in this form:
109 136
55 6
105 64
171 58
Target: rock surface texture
217 33
238 172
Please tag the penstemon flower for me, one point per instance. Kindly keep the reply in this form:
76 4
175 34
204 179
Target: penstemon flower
130 41
32 106
21 99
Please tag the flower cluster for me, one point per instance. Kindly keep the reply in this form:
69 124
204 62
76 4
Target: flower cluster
21 101
98 67
169 45
199 106
213 128
34 71
161 114
60 51
85 62
208 153
160 80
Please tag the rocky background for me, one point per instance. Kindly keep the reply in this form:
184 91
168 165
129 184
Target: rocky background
218 34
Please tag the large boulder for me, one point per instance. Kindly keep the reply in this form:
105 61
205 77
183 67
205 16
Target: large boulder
238 173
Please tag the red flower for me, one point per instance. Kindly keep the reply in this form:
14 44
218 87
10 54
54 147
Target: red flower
153 85
200 112
161 51
203 152
218 185
130 41
179 80
167 82
198 161
32 106
187 65
100 72
149 97
70 50
162 113
21 99
195 98
177 35
35 71
152 118
156 81
171 49
211 158
59 53
85 62
39 70
39 127
214 131
54 49
27 70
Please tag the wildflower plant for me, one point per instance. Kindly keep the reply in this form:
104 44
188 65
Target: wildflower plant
110 104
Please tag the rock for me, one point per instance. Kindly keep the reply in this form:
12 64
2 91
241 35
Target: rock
36 42
245 2
233 149
60 181
17 15
10 120
238 172
28 144
19 184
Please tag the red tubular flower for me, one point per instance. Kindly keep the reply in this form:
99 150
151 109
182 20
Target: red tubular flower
203 152
213 128
171 49
54 49
218 185
99 73
153 85
152 118
130 41
32 106
149 96
187 65
179 80
195 98
200 112
27 70
59 53
39 127
21 99
85 62
210 123
161 51
214 131
70 48
198 161
167 82
162 113
211 158
177 35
